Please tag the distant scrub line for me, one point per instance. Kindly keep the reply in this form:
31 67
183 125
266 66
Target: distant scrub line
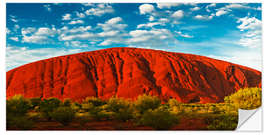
22 113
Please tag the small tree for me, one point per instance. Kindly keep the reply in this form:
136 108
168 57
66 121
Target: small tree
17 106
174 106
122 108
16 109
49 105
247 98
67 102
159 118
145 102
63 114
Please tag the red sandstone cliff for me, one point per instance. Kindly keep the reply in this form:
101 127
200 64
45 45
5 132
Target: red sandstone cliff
129 72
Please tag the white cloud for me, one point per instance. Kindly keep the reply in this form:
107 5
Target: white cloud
167 5
66 17
195 9
228 8
146 8
45 31
13 18
65 30
151 24
114 20
204 17
113 24
80 15
151 18
108 33
250 58
88 4
79 36
184 35
221 12
239 6
76 33
210 5
200 17
8 31
252 33
42 35
106 42
178 14
76 22
17 56
155 35
250 41
163 20
100 10
14 39
76 44
249 23
28 30
236 5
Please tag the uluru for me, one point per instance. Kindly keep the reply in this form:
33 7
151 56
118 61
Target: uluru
129 72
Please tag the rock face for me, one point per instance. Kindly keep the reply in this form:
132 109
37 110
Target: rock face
129 72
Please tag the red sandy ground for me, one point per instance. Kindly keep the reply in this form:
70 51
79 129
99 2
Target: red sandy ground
185 124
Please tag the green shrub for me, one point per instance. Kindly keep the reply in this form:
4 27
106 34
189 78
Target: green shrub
35 102
16 109
145 102
174 106
76 106
34 116
96 112
20 122
47 106
122 108
115 104
104 115
67 102
124 114
247 98
64 115
214 109
94 100
222 122
159 118
17 106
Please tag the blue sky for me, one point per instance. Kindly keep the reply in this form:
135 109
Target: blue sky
226 31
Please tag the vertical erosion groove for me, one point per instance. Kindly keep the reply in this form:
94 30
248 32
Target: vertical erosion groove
172 73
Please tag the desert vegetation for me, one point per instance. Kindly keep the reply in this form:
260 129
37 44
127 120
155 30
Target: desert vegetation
147 112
